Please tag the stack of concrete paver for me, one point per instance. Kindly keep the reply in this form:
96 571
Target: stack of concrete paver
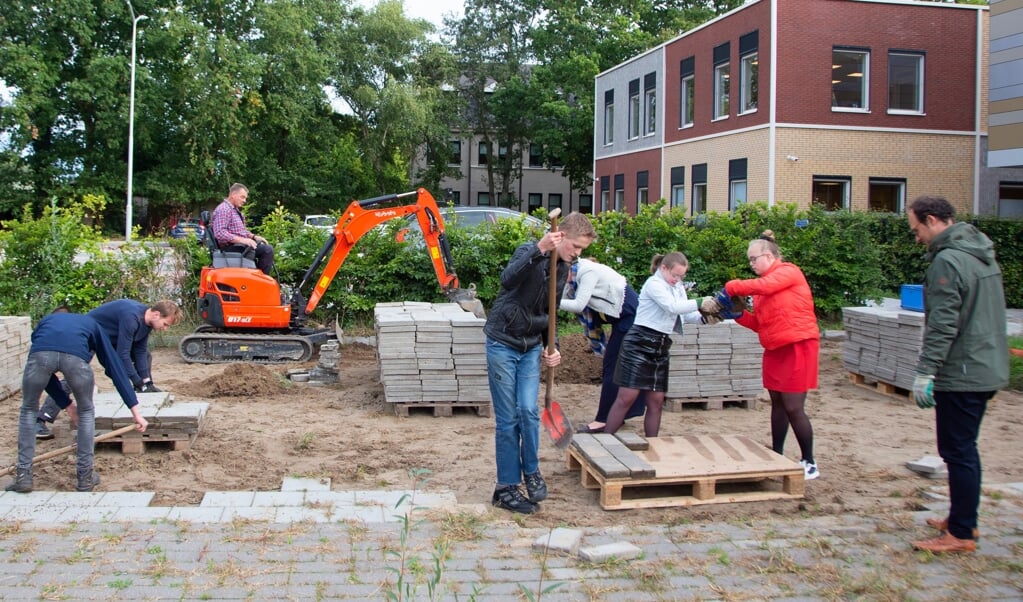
882 344
715 361
15 340
174 422
431 352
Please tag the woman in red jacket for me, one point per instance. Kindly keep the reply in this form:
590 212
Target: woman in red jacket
785 322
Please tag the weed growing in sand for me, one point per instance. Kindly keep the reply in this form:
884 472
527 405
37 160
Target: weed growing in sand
540 589
306 442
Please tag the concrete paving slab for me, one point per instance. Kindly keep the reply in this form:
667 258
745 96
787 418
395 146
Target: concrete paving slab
304 484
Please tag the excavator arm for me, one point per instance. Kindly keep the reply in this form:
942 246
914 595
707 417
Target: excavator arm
362 216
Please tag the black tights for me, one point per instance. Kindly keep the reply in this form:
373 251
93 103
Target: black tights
788 409
624 400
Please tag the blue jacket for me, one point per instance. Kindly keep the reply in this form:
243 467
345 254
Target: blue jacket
82 337
124 322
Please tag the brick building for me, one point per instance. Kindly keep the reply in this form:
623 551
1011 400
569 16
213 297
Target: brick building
854 104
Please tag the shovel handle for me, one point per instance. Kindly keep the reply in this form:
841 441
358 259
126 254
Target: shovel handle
70 448
552 308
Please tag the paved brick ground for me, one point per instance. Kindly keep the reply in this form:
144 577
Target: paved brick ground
357 550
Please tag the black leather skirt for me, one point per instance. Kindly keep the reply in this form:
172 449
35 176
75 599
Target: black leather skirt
643 362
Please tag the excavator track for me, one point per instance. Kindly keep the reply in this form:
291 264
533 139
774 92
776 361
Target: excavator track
206 347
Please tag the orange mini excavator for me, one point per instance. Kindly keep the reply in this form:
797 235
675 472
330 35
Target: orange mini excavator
248 317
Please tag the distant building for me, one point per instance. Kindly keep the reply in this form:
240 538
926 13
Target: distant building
1005 148
850 104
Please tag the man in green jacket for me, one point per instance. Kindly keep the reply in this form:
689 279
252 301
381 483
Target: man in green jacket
964 359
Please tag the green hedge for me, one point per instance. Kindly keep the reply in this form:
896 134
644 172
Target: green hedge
848 258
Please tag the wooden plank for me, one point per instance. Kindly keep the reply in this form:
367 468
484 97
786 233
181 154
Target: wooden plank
692 470
678 404
878 386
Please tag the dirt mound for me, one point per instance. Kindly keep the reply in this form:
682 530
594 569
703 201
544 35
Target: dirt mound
239 380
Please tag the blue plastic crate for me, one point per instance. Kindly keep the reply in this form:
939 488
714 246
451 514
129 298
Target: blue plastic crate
913 297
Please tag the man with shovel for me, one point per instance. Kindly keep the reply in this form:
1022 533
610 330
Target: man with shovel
515 330
66 343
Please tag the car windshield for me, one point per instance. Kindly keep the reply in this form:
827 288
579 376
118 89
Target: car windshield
319 220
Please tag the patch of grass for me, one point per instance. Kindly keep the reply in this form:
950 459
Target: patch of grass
1016 365
306 442
462 526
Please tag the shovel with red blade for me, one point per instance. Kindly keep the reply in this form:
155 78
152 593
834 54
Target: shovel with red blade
553 419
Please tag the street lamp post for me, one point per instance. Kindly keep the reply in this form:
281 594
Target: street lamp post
131 123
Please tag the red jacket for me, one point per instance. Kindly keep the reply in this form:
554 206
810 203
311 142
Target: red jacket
782 306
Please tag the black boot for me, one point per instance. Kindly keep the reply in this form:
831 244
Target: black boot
88 480
510 498
22 481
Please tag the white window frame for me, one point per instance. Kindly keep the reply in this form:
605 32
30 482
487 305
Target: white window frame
844 75
634 117
737 194
605 200
687 102
722 87
642 195
900 185
699 195
650 111
455 150
844 183
609 124
678 196
748 90
619 199
917 84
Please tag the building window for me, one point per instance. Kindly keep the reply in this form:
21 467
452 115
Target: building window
642 195
535 155
609 117
634 116
619 199
642 188
605 200
483 199
831 192
886 194
748 89
736 183
678 187
453 197
481 154
650 103
905 82
687 92
699 188
455 151
849 78
722 84
535 201
1010 200
502 153
554 200
586 203
699 197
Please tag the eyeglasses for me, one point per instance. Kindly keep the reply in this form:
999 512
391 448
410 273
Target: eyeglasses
754 259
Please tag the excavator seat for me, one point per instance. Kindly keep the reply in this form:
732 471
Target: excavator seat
223 258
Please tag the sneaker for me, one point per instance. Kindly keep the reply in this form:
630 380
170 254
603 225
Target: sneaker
536 487
810 471
947 543
510 498
43 433
941 524
87 481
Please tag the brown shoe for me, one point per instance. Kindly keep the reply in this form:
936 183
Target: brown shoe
945 544
941 524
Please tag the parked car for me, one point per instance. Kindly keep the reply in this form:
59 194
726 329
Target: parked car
324 222
461 216
188 226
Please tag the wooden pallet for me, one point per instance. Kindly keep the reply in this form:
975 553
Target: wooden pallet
878 386
441 409
136 443
677 404
688 470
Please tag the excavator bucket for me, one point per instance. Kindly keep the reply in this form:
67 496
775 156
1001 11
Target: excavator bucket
466 299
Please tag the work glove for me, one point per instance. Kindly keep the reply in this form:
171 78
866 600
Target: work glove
148 387
731 307
923 391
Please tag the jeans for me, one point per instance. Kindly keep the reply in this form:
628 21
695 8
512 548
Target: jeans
514 387
958 416
41 365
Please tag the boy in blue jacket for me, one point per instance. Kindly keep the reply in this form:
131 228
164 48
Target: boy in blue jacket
66 343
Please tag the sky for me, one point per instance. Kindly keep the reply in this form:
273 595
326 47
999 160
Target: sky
431 10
